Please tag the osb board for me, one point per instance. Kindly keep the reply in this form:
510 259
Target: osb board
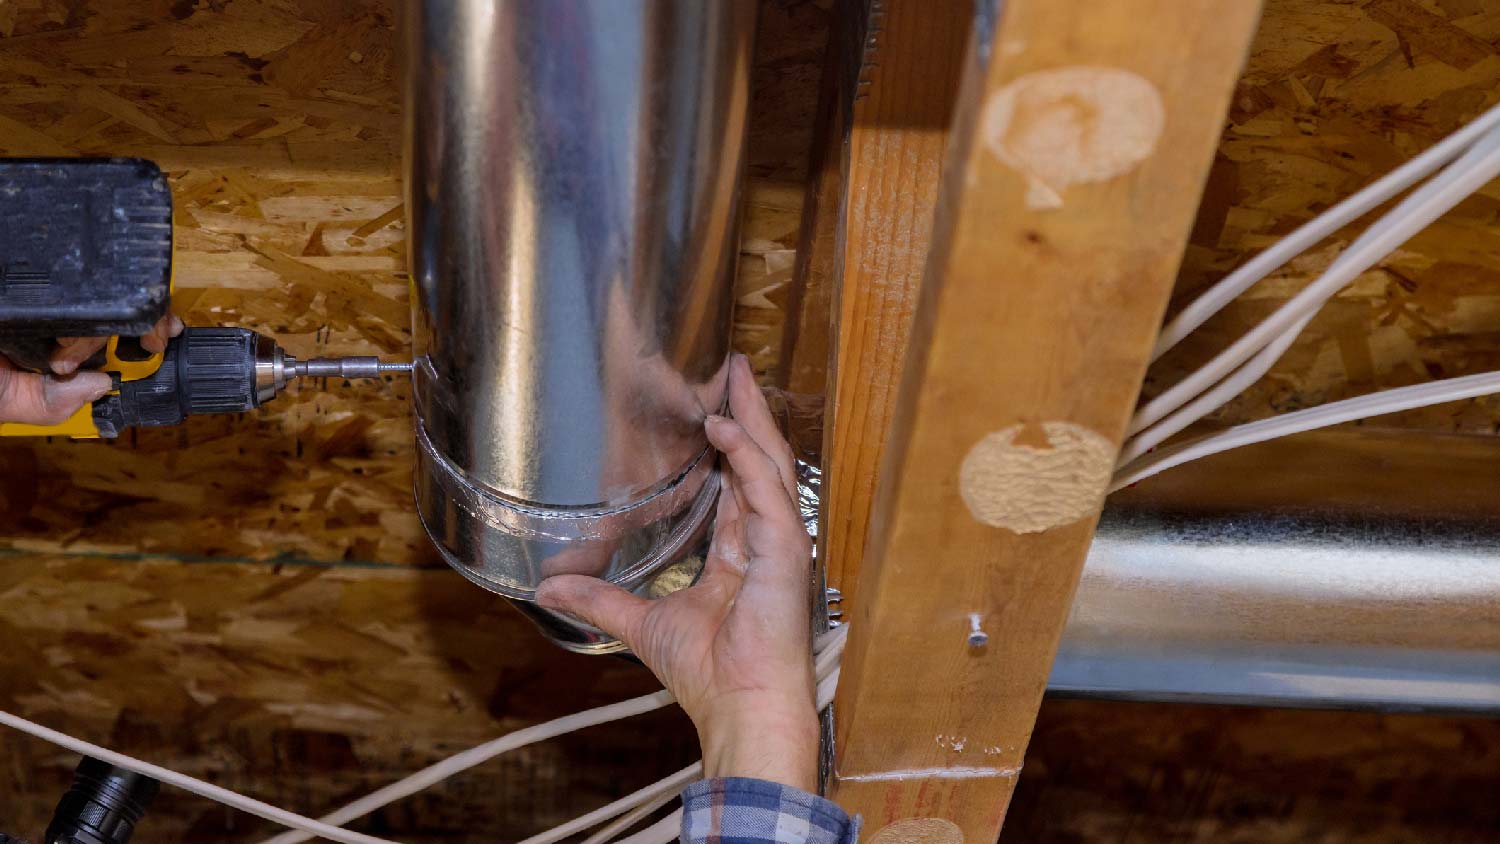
1334 95
278 123
304 686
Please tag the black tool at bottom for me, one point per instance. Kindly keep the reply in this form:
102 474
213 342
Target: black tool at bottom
103 806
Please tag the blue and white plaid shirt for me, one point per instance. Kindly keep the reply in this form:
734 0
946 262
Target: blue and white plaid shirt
735 810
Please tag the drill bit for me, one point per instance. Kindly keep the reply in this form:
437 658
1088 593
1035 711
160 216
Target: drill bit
274 368
348 367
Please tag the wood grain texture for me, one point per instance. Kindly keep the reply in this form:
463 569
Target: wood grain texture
1056 242
806 338
903 103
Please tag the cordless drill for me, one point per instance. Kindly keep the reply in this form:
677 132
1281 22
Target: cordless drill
86 251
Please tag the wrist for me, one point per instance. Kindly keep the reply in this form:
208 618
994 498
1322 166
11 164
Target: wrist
776 741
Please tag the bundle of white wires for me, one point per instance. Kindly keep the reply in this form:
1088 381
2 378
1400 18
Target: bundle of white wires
1463 163
622 814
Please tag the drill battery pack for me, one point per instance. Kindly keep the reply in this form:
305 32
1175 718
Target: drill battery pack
85 251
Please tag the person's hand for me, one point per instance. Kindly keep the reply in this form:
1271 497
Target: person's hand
36 399
73 351
734 648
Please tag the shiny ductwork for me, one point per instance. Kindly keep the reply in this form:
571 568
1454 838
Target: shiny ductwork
1354 568
572 175
1312 608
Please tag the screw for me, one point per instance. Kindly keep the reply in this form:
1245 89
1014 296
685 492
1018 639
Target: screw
977 637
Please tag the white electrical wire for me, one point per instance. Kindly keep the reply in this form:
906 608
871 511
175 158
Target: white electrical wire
304 828
667 787
1470 172
612 830
830 653
1325 224
1254 353
187 783
822 640
479 754
1220 395
661 832
635 807
828 647
1333 413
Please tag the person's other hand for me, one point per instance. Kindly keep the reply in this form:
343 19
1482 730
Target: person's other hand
35 399
734 648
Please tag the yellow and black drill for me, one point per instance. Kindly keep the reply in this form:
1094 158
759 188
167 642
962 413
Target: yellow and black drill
86 251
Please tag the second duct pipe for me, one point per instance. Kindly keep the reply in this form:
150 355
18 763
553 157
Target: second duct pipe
573 170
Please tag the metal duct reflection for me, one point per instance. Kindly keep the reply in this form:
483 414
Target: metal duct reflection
1308 609
572 178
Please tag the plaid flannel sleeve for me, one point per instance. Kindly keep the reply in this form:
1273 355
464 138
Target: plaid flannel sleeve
736 810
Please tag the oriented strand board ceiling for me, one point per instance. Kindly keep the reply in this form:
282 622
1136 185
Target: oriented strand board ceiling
135 609
1334 95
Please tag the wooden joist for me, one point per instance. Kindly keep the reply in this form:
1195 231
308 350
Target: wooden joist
1082 139
867 262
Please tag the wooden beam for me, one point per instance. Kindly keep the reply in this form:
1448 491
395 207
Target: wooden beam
1079 151
802 366
865 260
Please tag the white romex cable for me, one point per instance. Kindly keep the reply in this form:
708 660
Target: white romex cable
612 830
440 771
306 827
1264 344
829 648
1325 224
665 789
1465 176
187 783
1333 413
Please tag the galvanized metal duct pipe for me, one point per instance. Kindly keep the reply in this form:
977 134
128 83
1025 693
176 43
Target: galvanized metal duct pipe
1325 609
572 177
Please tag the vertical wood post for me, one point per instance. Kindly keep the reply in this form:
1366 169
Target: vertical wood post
1083 135
864 249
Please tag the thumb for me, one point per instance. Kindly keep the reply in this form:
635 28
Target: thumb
597 602
47 399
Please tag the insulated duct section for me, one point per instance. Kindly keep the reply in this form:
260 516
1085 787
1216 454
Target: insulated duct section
572 175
